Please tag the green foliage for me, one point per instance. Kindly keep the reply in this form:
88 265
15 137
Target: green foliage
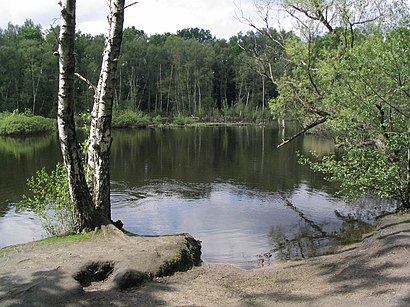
182 120
130 119
50 200
365 171
357 82
200 35
24 124
157 120
189 73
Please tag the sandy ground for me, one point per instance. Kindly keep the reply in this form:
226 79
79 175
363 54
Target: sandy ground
374 272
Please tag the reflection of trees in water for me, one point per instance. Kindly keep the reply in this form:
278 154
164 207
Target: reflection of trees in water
305 243
311 240
369 208
318 228
208 154
162 188
18 146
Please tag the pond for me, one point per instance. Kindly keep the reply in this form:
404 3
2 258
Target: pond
229 187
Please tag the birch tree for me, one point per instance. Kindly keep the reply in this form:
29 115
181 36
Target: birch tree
91 202
99 143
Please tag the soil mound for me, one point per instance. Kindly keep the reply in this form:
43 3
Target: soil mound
63 270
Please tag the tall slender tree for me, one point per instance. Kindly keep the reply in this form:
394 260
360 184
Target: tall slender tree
92 203
100 139
79 192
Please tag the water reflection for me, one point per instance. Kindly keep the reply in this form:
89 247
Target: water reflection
227 186
19 160
321 146
306 243
204 155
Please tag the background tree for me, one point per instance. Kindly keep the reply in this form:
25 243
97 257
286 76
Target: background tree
190 73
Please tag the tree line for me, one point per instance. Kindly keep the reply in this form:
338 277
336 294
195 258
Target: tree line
189 73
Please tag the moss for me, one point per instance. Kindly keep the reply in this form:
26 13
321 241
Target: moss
187 255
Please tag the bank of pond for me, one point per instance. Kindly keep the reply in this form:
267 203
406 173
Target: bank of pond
25 124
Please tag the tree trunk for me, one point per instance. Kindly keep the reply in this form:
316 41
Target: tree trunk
79 192
407 200
99 143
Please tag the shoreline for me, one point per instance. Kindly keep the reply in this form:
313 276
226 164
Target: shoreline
372 272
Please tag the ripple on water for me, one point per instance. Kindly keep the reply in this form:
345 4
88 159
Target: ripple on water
15 227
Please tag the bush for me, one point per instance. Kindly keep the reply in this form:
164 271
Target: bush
130 119
182 120
157 120
24 124
51 201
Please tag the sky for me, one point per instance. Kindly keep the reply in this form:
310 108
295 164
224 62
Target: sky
152 16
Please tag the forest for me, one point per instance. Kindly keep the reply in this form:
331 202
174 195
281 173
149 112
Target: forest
189 73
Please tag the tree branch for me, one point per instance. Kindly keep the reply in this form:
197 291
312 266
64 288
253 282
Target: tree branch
303 131
127 6
89 83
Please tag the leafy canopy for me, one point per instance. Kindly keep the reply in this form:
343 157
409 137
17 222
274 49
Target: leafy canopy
355 81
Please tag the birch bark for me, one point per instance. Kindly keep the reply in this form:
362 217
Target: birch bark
71 153
100 139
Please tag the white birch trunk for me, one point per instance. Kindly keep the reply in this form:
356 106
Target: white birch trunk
71 153
99 143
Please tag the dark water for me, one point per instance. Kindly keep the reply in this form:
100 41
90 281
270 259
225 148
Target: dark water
227 186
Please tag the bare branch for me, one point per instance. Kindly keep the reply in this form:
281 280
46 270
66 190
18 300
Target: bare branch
127 6
318 16
263 31
303 131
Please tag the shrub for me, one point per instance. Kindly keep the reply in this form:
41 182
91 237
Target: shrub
130 119
50 200
182 120
23 124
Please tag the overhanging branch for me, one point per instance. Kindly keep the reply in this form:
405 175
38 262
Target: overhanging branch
127 6
303 131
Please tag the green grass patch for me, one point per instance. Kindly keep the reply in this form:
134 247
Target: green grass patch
66 239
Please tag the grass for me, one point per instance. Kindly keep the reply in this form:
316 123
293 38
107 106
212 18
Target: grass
66 239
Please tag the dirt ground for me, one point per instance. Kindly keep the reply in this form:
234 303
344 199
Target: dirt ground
374 272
